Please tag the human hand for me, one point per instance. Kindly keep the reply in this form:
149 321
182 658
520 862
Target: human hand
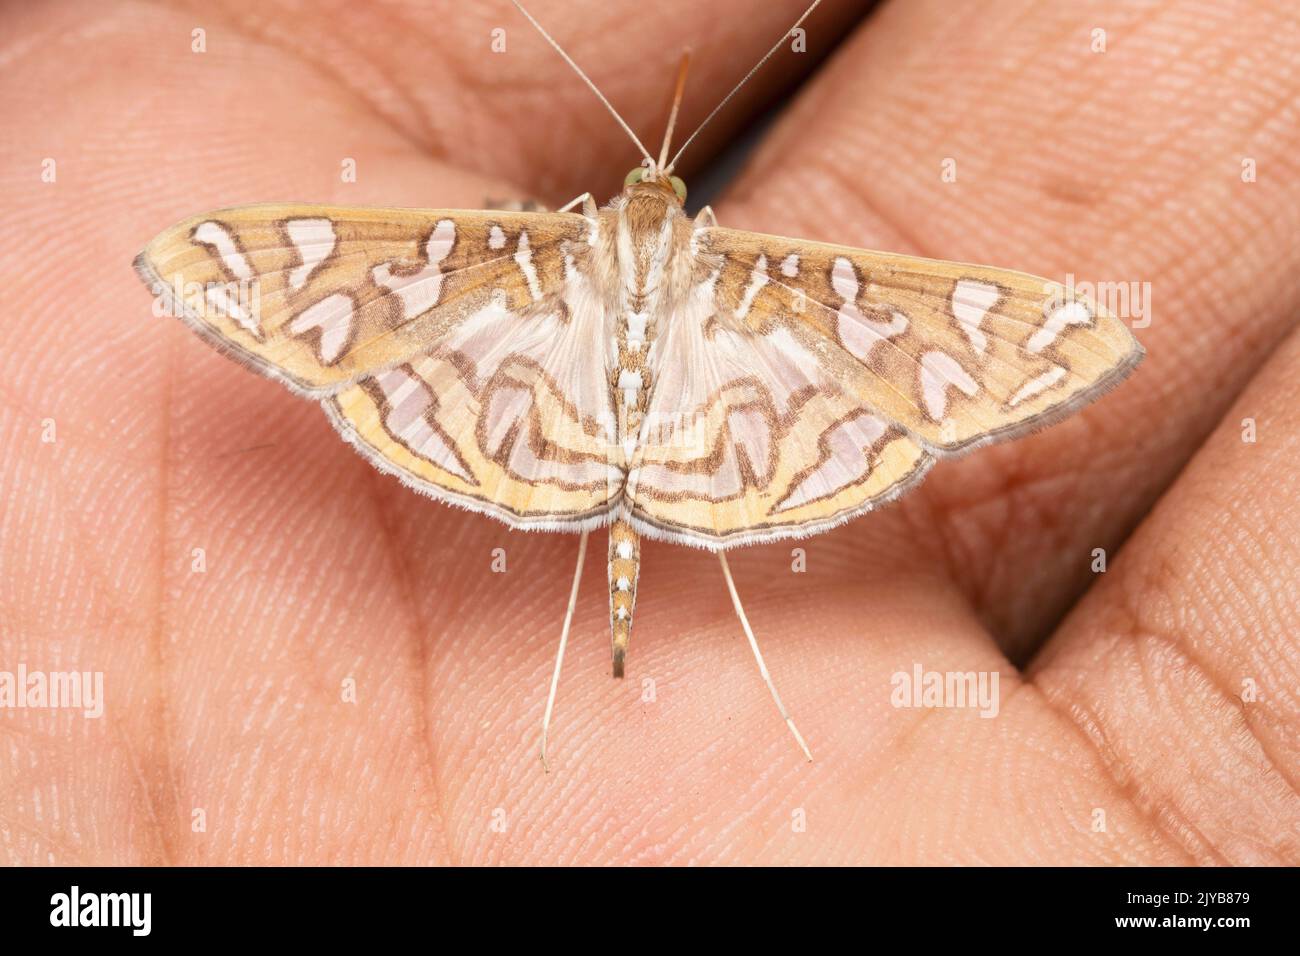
1162 693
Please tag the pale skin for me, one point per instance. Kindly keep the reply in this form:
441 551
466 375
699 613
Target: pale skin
1121 693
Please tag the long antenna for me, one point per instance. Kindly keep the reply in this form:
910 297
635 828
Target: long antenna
586 79
736 88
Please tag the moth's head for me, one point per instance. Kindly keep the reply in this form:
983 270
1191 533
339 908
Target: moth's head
646 178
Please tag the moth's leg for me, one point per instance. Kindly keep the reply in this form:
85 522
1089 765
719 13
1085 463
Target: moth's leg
564 640
705 218
582 200
758 655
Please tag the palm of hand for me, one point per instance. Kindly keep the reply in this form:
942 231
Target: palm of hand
1154 719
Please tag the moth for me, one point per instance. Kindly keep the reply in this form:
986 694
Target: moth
631 367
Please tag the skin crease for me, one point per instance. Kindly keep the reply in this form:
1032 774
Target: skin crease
1125 698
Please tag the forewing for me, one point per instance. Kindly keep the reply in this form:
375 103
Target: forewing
318 296
956 355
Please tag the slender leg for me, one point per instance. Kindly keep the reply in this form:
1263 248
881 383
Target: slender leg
564 639
758 655
573 203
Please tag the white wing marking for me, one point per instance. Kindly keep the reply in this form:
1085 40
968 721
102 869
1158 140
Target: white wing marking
1037 385
409 401
849 445
218 238
971 301
859 333
314 239
758 278
1072 313
938 371
524 256
421 291
333 316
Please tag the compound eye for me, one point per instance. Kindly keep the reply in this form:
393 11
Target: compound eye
634 176
679 187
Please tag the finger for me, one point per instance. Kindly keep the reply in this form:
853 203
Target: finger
1120 166
1181 665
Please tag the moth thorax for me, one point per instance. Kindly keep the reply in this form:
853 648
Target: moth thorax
646 241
